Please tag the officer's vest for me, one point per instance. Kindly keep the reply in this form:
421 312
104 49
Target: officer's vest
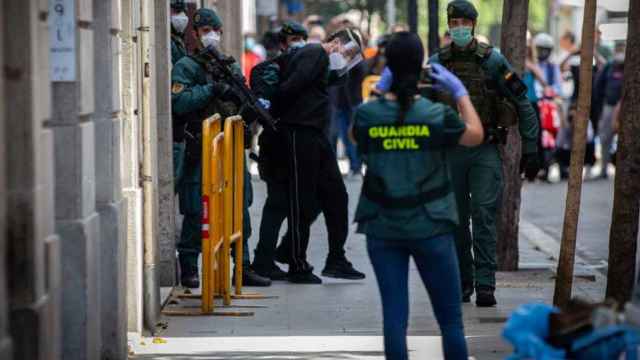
468 66
406 167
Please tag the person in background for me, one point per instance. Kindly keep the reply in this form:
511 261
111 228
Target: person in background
316 34
406 186
544 45
399 27
179 22
375 65
249 57
344 98
533 74
602 51
567 48
608 88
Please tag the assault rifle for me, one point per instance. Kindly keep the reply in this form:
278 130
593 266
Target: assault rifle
220 65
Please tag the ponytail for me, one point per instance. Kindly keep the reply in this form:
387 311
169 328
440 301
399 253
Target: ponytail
405 87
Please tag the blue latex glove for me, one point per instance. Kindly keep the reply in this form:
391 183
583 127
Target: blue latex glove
265 103
447 81
384 84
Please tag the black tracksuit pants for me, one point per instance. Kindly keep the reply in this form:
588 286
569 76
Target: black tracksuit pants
314 182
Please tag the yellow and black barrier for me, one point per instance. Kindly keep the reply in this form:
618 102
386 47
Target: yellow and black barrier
222 219
368 85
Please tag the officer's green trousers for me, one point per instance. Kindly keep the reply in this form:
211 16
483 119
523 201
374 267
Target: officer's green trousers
190 194
477 179
178 164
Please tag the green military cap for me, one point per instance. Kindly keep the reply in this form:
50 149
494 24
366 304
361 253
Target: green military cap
461 9
293 28
206 17
178 5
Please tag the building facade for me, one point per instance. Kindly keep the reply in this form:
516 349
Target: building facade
87 207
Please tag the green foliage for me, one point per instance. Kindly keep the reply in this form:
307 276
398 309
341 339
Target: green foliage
490 12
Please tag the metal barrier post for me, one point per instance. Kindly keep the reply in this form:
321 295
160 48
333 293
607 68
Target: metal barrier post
207 296
368 84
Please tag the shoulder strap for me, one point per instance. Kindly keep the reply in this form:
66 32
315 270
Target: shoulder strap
444 53
483 51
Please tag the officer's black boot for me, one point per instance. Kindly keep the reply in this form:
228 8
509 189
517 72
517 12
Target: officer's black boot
251 278
467 291
485 297
188 272
272 272
341 269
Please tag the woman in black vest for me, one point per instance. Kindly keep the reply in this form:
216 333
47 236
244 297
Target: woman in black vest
407 207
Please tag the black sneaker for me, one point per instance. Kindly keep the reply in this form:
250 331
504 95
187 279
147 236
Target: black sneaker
251 278
467 291
275 273
303 278
342 269
190 280
485 297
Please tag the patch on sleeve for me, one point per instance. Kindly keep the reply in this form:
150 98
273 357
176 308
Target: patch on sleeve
177 88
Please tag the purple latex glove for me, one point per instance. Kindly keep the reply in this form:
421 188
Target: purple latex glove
447 81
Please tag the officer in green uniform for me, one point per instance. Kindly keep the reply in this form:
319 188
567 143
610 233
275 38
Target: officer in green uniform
179 22
407 207
196 95
500 99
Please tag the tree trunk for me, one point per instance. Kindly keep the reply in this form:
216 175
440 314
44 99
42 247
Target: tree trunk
434 32
513 46
626 201
564 281
412 15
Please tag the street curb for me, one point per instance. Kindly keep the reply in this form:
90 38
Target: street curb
547 244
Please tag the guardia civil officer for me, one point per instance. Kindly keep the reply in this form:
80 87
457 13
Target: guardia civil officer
407 206
314 180
196 95
265 79
179 22
500 99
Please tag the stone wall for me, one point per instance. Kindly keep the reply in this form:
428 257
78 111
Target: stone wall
74 127
34 249
110 203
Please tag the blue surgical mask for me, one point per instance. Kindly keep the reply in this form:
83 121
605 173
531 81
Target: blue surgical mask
461 35
297 44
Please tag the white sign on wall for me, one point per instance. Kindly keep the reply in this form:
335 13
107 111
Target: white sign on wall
62 40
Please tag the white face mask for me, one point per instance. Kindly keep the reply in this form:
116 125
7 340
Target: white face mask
179 22
211 38
337 61
619 57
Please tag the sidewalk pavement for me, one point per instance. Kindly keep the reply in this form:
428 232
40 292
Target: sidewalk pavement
342 319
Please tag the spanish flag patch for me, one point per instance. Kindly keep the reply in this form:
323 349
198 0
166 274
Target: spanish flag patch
177 88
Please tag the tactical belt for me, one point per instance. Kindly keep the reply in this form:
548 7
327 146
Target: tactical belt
405 202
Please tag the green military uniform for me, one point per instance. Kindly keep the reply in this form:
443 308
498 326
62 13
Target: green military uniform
194 99
477 171
406 196
178 51
178 48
